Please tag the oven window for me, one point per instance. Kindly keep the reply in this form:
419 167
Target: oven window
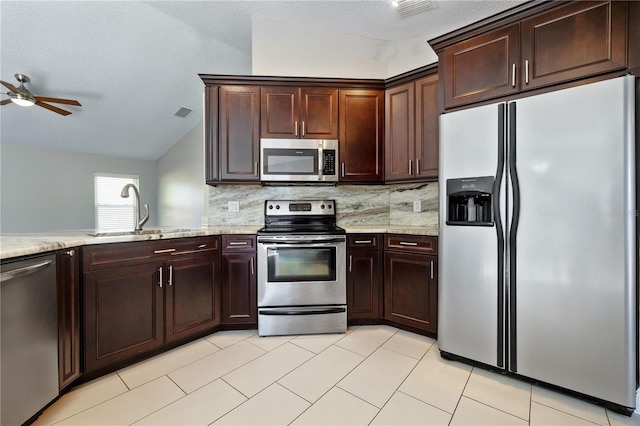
291 161
301 264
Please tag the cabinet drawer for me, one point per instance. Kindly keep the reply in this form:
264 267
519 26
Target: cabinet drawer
102 256
232 243
363 241
412 243
179 246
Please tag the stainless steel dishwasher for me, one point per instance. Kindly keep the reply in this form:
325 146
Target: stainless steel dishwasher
29 337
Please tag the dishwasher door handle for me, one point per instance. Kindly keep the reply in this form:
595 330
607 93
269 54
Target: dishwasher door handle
21 272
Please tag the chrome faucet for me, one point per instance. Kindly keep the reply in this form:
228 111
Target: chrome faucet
125 194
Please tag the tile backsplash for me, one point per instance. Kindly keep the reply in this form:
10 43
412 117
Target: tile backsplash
355 204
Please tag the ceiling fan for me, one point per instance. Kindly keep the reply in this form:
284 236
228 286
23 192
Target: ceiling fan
21 96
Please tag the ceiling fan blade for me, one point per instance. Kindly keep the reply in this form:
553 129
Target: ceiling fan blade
52 108
10 86
6 101
58 100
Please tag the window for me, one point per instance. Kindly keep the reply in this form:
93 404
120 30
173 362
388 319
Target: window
112 211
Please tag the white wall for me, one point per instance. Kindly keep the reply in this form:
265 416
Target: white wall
46 190
293 50
181 187
286 49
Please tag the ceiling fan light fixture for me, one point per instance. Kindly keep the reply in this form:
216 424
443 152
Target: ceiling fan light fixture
22 99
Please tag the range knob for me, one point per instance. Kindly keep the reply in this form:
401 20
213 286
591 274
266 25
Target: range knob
277 206
322 206
270 207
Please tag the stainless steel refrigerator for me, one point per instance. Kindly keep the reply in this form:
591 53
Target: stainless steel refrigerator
537 262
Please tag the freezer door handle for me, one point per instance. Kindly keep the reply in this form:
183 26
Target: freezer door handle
497 187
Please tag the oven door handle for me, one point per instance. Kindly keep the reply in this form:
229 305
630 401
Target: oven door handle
304 312
307 242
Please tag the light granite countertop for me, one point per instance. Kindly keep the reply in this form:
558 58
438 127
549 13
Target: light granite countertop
15 245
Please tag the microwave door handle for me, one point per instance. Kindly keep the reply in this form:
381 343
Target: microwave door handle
320 160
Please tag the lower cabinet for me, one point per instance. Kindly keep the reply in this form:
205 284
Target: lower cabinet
68 279
239 277
169 292
411 281
364 276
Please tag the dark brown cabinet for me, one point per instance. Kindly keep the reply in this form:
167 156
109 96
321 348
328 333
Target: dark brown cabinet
539 45
361 135
364 276
292 112
411 131
411 281
239 133
68 279
138 296
239 277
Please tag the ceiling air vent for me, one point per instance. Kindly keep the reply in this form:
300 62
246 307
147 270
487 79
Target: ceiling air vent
411 7
183 112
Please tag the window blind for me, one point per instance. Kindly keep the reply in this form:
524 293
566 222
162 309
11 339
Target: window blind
112 211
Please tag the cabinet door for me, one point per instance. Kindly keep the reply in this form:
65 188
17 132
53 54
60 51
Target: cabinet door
364 289
411 290
578 40
123 313
211 134
482 67
400 132
192 295
280 112
427 127
239 133
319 113
239 298
68 265
361 135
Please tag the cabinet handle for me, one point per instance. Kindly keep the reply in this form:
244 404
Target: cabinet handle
303 128
296 127
253 270
70 253
431 266
513 75
238 243
170 275
160 277
257 170
410 161
526 71
417 166
201 246
404 243
363 241
350 261
342 169
171 250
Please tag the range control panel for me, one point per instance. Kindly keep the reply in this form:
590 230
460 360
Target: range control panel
299 208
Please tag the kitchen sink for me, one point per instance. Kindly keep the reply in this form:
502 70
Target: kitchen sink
142 232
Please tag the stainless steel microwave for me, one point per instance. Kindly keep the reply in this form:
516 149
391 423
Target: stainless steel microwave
298 160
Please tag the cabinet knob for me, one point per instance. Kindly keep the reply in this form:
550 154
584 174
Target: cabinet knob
70 253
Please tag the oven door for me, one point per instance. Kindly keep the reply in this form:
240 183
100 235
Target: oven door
301 271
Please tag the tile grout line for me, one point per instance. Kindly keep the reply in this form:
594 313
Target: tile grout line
461 395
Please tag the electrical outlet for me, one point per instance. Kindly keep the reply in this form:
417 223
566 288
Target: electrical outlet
204 221
417 206
233 206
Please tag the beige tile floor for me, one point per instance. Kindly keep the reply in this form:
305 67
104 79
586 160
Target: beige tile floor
376 375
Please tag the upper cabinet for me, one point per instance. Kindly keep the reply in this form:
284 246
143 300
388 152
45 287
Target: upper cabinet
361 135
411 130
533 46
291 112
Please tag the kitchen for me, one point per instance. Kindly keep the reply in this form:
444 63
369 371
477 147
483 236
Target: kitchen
387 216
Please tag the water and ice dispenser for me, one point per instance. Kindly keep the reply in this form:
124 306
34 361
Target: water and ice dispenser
470 201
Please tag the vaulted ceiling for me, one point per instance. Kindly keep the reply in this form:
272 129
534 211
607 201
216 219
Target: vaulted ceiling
133 64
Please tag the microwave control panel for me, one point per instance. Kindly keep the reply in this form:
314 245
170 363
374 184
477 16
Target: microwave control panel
329 162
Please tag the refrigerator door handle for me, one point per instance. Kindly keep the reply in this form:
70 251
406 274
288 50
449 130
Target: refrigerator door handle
513 172
497 183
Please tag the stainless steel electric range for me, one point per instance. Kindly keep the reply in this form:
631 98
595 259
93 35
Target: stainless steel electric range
301 269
